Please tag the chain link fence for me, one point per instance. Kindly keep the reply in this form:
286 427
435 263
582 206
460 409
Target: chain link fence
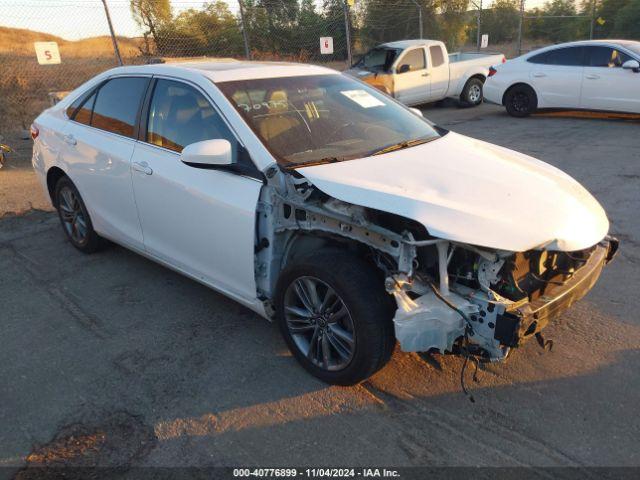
94 35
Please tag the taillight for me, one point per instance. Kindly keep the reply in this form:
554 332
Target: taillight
34 132
492 71
504 59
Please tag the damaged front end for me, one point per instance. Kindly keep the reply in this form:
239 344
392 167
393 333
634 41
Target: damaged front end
493 300
450 295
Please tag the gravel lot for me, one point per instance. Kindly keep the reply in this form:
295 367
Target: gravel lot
111 359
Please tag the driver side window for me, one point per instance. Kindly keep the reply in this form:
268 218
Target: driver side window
415 59
180 115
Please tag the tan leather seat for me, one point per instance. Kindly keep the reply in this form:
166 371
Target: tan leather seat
278 120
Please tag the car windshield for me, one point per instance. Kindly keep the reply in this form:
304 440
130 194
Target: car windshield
633 46
324 118
379 58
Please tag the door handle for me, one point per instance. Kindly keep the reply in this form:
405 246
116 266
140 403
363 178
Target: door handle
539 75
70 139
142 167
592 76
425 74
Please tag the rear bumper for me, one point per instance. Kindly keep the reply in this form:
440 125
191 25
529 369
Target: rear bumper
492 93
519 323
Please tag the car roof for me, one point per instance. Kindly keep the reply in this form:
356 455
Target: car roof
403 44
225 70
609 42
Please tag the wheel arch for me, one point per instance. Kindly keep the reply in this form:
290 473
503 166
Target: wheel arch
54 174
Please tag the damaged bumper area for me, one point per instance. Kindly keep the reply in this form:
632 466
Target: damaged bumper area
494 304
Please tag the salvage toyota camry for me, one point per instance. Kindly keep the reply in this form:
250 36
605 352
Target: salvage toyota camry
322 203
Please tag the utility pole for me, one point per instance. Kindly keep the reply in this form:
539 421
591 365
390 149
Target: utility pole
347 27
419 17
113 35
520 27
245 35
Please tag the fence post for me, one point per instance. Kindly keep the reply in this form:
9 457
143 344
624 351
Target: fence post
520 27
245 35
347 27
479 36
116 50
593 17
419 18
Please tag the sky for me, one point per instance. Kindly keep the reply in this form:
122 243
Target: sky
74 19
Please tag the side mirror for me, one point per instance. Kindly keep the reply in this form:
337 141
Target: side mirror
404 68
417 111
631 65
208 152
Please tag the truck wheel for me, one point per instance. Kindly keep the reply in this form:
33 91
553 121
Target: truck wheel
520 101
336 316
472 92
74 217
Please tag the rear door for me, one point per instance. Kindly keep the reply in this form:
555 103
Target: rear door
98 145
411 80
199 220
557 77
438 73
608 86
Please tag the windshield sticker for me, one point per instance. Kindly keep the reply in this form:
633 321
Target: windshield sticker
362 98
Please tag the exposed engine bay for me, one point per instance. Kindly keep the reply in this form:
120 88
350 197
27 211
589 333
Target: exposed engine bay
448 294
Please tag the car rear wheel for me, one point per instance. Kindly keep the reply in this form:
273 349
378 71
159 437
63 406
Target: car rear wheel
472 93
335 316
520 101
74 217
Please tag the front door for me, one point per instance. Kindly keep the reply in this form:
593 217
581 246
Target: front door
411 80
608 86
199 220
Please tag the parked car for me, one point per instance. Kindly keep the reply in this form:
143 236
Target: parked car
421 71
318 201
591 75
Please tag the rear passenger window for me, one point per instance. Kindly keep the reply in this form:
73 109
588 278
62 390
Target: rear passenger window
605 57
437 57
116 105
570 57
179 115
83 115
415 59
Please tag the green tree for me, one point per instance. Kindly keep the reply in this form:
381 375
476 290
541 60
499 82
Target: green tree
500 22
151 15
627 21
454 21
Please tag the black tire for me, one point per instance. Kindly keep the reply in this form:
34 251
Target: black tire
472 93
86 239
360 287
520 101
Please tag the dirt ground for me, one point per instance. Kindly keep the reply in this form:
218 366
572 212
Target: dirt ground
111 359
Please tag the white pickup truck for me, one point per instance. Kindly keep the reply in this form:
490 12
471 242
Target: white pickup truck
421 71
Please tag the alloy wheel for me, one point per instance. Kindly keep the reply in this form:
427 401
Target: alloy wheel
72 216
320 323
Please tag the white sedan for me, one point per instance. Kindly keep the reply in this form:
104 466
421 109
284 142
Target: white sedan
318 201
590 75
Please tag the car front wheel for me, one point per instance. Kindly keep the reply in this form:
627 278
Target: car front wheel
336 317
